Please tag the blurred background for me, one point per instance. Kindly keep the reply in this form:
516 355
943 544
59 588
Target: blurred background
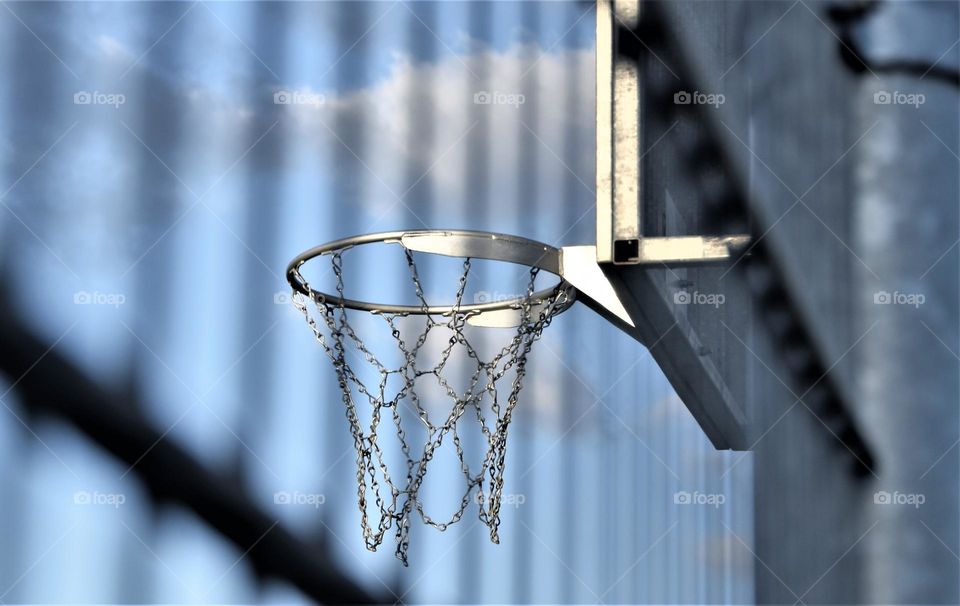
172 433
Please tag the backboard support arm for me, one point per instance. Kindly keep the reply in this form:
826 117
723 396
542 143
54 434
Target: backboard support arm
644 314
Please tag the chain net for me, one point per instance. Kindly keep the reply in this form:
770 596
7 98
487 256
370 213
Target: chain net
395 497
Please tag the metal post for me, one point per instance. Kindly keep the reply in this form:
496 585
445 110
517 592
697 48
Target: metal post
905 225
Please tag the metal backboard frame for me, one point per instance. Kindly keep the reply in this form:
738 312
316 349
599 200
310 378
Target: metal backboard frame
651 248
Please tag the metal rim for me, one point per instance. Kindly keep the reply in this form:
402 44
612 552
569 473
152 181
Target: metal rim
482 245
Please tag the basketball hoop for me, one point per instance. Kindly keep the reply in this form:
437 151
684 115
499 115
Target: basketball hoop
528 314
582 276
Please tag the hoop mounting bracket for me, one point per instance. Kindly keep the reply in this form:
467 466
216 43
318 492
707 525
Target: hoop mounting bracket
673 251
579 267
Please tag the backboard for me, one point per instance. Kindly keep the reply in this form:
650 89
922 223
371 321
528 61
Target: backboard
663 256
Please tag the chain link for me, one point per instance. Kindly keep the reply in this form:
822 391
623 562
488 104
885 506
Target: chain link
394 503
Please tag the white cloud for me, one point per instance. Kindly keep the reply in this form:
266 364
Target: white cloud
424 115
111 47
418 122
